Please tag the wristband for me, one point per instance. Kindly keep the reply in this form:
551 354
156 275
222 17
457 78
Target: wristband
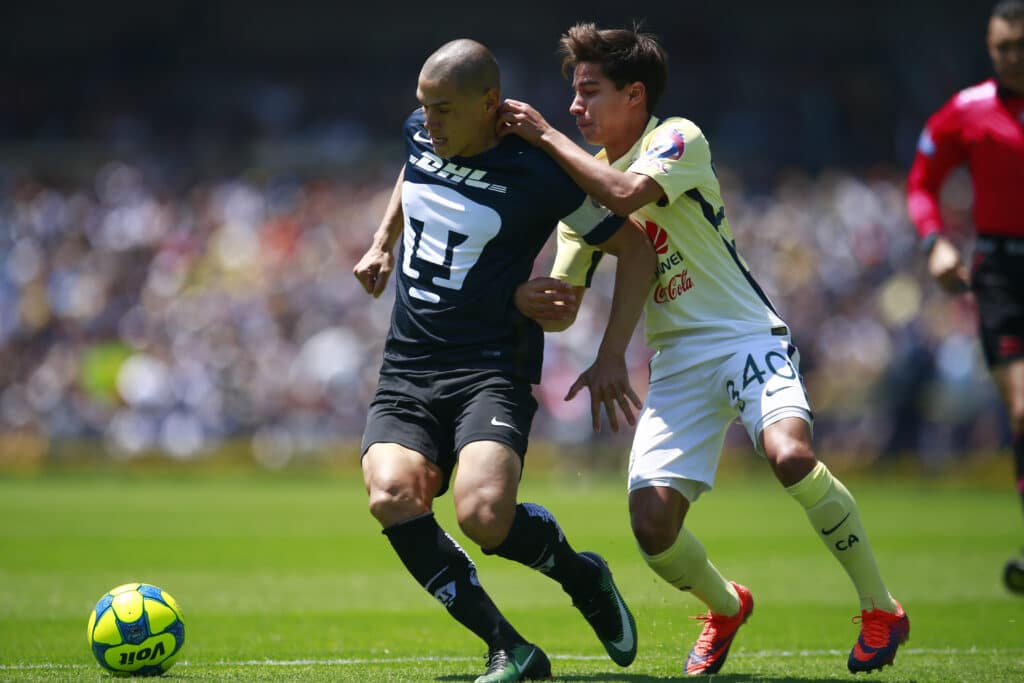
928 242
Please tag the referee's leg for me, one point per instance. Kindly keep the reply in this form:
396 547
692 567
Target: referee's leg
1009 379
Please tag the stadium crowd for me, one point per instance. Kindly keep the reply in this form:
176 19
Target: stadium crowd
162 313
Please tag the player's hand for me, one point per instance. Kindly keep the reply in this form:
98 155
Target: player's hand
373 270
546 298
521 119
945 266
608 382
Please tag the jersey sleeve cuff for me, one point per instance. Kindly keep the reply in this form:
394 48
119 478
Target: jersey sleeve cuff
604 230
662 181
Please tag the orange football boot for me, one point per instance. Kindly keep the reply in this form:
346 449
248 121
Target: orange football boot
880 634
712 647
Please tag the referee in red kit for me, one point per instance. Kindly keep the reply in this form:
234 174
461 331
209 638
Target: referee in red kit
983 127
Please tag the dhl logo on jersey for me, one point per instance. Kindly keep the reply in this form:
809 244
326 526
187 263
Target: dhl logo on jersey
450 173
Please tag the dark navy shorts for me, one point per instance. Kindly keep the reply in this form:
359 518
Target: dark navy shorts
437 413
997 281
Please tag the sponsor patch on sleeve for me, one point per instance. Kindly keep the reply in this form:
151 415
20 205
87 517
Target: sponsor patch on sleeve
667 144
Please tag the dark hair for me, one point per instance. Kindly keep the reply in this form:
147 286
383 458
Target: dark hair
1010 10
624 55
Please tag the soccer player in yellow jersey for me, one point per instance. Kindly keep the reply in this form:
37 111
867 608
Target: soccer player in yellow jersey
722 350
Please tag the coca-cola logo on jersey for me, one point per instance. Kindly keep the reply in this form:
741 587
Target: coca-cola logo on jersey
677 284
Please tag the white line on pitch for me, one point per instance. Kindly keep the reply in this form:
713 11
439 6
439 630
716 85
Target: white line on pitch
355 661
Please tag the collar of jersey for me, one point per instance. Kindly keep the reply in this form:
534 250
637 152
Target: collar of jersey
629 157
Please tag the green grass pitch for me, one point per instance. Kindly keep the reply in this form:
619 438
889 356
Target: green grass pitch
287 577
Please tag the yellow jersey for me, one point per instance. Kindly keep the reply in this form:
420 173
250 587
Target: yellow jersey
704 292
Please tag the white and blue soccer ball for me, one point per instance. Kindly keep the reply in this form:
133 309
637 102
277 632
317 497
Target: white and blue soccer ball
136 630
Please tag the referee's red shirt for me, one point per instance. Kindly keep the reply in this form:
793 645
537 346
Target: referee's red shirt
982 126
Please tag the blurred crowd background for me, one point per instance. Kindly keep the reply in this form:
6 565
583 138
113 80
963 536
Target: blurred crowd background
185 187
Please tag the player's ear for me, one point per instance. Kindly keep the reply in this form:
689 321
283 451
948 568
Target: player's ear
492 100
636 92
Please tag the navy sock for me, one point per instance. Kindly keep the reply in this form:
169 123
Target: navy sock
443 568
537 541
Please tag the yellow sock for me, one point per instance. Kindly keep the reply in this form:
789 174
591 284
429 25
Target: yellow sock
833 513
685 565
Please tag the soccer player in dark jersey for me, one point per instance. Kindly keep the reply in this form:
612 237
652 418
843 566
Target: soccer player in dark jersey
983 127
473 213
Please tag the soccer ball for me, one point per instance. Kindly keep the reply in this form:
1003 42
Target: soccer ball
136 630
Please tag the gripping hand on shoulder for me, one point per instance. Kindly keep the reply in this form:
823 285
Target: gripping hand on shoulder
521 119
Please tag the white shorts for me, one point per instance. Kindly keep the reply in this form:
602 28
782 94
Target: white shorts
679 436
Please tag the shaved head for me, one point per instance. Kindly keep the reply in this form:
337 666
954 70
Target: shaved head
458 91
464 63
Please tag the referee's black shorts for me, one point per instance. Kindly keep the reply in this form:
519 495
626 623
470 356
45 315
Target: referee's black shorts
997 281
437 413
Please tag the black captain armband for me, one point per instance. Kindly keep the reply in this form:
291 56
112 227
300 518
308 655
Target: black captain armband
928 242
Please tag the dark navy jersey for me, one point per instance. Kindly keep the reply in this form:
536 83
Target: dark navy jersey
473 227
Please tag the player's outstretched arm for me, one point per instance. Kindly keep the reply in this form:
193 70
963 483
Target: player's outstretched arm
550 302
622 193
375 266
608 378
